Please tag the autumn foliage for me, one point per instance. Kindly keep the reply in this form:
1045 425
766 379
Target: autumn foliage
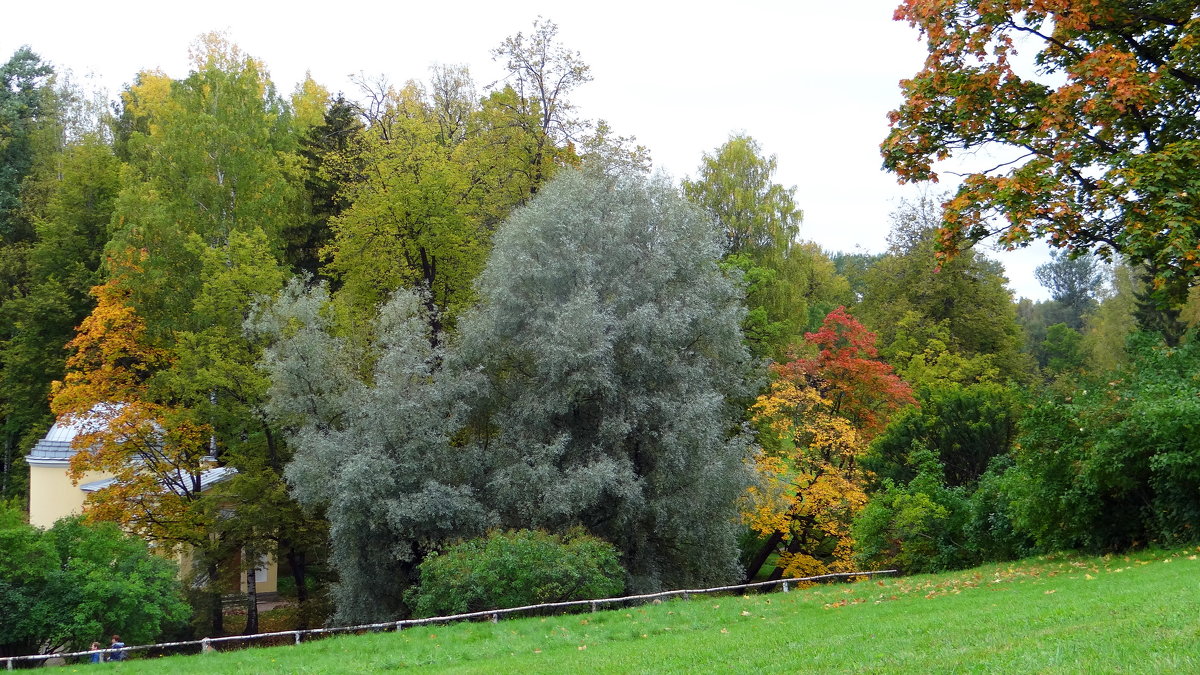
815 423
1092 145
152 450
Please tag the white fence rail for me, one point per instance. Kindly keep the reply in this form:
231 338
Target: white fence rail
206 644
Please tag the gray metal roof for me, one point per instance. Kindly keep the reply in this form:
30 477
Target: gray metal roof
55 446
208 478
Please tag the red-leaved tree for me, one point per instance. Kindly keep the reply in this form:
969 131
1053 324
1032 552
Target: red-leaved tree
814 424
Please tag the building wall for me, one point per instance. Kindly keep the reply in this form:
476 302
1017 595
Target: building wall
232 580
266 580
52 495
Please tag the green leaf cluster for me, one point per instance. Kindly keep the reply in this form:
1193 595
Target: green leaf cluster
1115 462
517 568
75 583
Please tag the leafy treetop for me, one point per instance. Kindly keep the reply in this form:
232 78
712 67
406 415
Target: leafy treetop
1097 144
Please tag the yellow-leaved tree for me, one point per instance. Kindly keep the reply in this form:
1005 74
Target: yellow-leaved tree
814 423
154 452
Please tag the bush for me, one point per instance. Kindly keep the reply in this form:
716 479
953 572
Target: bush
927 526
917 527
516 568
989 530
62 588
1116 463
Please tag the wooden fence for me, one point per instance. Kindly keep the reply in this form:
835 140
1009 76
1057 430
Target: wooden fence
206 644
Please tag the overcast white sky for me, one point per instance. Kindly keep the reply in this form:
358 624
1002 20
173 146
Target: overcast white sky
812 81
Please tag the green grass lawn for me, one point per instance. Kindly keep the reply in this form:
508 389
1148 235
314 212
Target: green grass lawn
1138 613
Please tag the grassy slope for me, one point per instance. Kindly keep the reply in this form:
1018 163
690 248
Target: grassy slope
1137 613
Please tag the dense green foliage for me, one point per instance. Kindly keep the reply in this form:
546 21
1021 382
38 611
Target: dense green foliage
1114 463
28 105
963 426
925 525
514 569
1105 464
908 290
75 583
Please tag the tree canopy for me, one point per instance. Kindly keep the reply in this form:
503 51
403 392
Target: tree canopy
611 343
65 587
1094 143
594 385
790 285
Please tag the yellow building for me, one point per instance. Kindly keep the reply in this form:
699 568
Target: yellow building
53 495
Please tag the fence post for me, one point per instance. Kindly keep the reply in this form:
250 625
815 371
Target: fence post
785 588
495 618
593 606
297 637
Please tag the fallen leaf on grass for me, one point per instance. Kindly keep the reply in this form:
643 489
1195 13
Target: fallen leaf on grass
745 613
1051 591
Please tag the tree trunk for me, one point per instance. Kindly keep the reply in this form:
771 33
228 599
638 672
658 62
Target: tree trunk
6 462
251 598
299 566
216 611
760 558
794 546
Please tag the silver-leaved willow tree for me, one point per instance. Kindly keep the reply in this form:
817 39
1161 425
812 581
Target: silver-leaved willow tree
597 383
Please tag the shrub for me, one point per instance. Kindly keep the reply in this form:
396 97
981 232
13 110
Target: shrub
915 527
64 587
516 568
927 526
1116 463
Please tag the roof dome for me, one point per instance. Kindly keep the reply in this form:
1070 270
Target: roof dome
64 431
56 444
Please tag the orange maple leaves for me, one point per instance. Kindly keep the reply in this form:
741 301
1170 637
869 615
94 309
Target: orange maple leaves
1090 136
